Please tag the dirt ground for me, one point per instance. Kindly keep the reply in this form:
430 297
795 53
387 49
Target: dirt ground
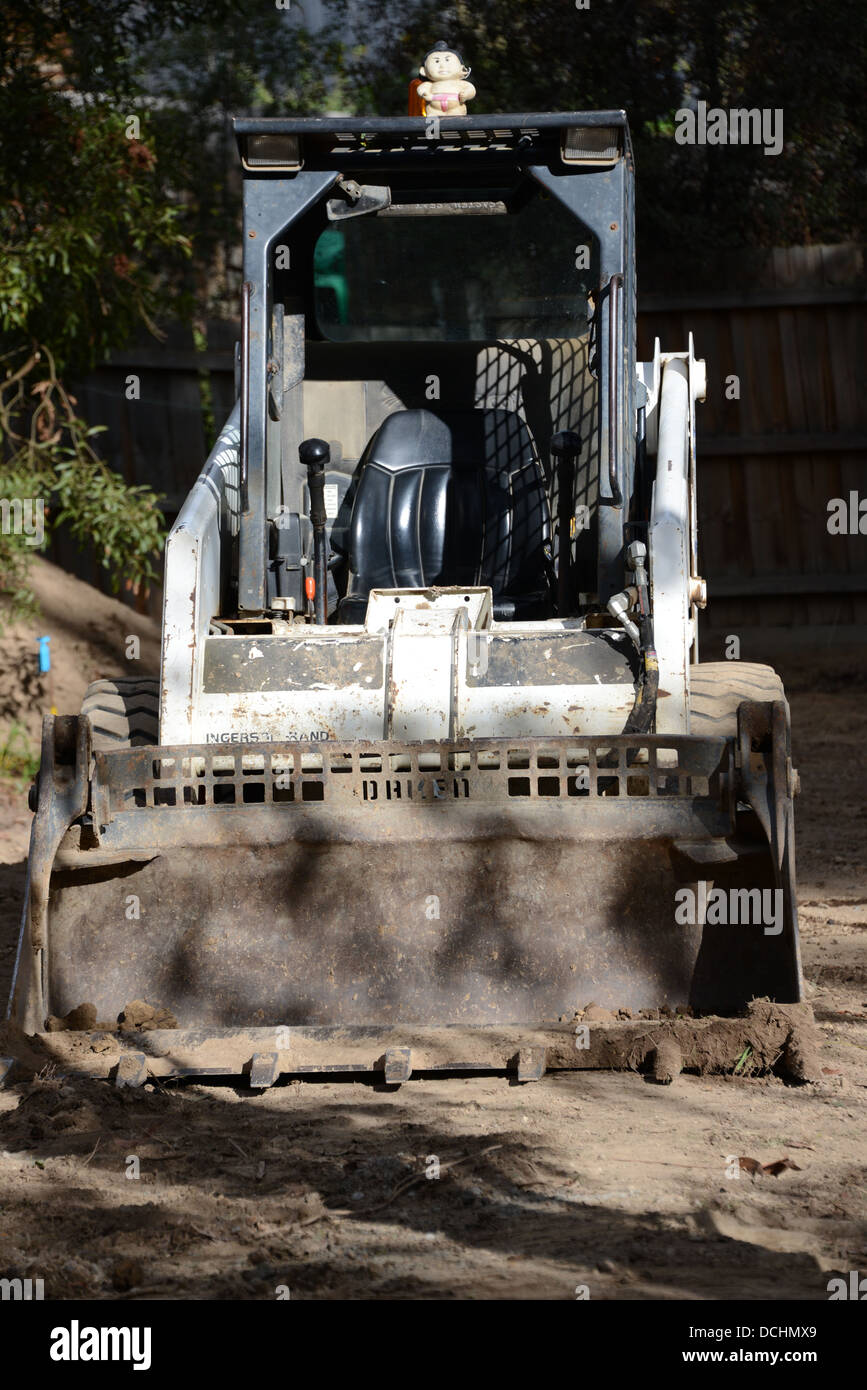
583 1182
90 635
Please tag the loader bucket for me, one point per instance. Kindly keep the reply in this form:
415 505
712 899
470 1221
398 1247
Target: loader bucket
326 893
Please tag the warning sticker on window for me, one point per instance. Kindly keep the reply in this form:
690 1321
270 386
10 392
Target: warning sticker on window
331 500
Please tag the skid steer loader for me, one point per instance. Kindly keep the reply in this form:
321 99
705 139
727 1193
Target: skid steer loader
431 764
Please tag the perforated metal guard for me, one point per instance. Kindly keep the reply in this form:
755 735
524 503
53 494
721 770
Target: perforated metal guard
491 771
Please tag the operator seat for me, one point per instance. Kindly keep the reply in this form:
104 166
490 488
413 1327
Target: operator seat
452 498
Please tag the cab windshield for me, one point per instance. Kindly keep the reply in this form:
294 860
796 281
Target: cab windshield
475 273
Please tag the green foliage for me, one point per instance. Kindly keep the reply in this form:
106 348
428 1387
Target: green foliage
16 596
87 233
88 241
19 764
77 273
50 459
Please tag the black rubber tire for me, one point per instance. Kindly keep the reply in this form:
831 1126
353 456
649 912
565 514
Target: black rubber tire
716 688
124 712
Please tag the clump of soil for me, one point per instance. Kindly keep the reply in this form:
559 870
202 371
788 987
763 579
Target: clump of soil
53 1108
81 1019
137 1017
140 1017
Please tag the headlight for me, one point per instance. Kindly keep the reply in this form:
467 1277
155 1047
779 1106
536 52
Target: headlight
272 152
591 144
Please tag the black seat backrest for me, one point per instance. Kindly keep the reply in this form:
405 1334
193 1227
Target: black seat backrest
451 498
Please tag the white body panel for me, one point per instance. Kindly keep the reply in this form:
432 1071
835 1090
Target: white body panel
669 551
673 383
420 675
192 581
